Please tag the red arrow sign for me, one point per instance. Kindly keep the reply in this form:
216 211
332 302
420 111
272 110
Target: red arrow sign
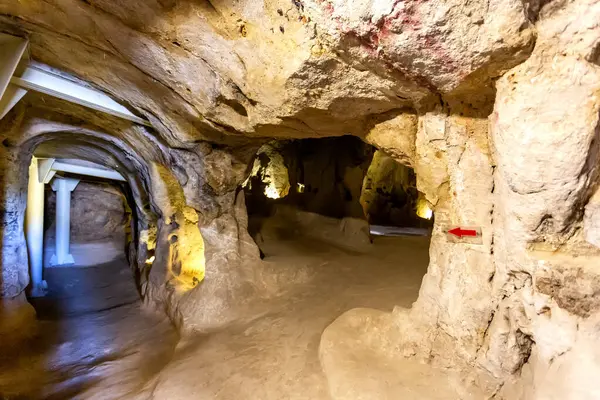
463 232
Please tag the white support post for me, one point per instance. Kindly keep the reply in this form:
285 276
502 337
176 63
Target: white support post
34 229
13 51
45 171
63 188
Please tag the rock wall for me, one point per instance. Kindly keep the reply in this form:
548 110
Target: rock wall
389 193
16 314
99 212
513 316
322 176
546 266
316 185
268 182
101 223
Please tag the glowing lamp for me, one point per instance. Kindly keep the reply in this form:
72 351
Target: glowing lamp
271 191
423 210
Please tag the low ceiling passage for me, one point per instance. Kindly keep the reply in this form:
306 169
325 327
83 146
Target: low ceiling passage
332 179
341 120
100 223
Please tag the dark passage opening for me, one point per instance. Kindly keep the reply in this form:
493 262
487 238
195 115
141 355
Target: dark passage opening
314 208
296 181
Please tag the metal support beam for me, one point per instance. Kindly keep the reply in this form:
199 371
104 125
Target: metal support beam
45 171
16 78
12 52
55 85
12 49
11 96
48 167
60 166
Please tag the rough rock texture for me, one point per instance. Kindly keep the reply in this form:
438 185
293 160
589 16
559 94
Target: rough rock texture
514 315
330 172
269 177
14 277
389 194
439 46
98 213
309 188
545 129
202 70
384 136
591 220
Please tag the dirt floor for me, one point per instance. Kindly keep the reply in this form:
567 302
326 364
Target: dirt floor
276 356
95 342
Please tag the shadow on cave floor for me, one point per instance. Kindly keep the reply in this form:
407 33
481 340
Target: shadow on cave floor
276 356
93 339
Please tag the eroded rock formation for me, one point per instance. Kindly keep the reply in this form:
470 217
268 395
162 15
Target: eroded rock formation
493 104
310 187
389 194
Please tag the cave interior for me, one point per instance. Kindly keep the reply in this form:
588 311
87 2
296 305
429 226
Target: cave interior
306 199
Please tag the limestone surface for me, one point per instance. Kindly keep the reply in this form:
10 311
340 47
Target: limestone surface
495 105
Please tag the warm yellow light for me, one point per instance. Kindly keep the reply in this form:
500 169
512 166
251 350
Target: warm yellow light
271 191
300 188
423 209
150 260
190 269
273 174
246 183
428 213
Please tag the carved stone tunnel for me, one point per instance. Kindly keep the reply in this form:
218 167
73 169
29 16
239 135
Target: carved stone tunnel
321 199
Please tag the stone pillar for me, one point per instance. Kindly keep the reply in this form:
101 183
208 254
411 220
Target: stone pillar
63 188
34 228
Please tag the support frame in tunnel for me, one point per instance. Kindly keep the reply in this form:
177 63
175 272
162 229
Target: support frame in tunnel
41 172
25 144
498 114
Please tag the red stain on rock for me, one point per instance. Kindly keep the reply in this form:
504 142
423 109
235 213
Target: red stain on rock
372 37
404 15
431 41
326 6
